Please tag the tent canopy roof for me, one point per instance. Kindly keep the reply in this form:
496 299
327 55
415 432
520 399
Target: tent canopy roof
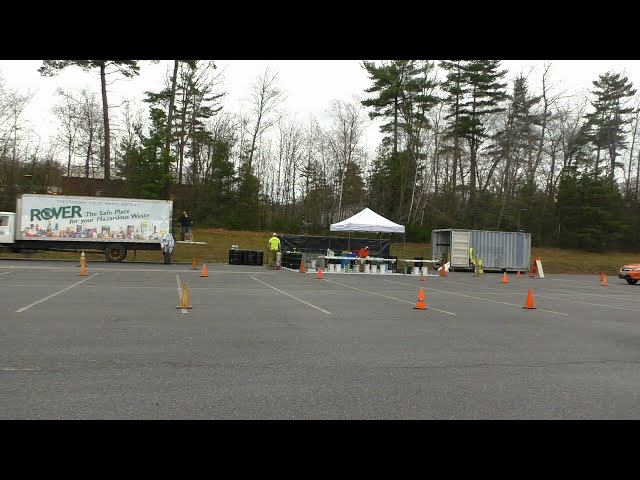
367 221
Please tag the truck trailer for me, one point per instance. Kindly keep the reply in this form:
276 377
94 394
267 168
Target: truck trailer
112 226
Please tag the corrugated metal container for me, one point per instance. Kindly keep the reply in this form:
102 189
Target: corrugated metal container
498 250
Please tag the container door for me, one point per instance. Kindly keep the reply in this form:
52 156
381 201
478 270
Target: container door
521 263
460 248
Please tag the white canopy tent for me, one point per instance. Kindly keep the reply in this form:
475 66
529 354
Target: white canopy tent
367 221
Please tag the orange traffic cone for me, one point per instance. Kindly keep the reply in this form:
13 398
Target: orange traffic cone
605 282
319 274
184 298
518 276
420 305
421 275
529 303
83 269
194 264
504 278
204 273
83 260
443 271
302 267
602 276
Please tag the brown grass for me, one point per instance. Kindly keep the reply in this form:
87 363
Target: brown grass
219 241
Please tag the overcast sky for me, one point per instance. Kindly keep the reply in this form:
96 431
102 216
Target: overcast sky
310 84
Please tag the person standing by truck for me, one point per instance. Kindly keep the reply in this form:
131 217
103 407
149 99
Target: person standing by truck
185 225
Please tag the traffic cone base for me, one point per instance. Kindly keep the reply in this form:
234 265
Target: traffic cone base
529 303
83 270
504 278
204 273
184 298
420 304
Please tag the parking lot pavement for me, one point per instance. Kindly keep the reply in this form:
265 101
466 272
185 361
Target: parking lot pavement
282 344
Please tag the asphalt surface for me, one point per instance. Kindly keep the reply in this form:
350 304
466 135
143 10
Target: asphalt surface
260 344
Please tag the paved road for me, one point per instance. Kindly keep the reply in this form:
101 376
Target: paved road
260 344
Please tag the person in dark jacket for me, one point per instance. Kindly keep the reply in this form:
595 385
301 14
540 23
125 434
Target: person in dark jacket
185 224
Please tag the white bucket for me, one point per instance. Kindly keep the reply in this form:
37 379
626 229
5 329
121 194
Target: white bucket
367 268
383 268
416 270
313 264
374 268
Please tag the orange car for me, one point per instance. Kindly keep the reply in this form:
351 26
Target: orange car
630 273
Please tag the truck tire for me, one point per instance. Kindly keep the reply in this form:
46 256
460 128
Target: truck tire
630 281
115 252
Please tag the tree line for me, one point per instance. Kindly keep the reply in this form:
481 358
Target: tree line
462 147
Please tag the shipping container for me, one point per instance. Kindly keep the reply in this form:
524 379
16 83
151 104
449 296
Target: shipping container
508 251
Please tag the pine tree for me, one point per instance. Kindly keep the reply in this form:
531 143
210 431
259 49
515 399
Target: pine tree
606 124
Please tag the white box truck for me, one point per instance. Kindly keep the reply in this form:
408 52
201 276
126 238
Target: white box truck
72 223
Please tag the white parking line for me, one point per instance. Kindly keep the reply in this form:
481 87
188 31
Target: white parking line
560 292
576 286
15 369
4 273
477 298
295 298
589 303
57 293
387 296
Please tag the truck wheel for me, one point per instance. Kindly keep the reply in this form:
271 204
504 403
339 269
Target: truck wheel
115 252
631 281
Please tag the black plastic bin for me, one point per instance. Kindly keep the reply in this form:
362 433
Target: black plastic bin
235 257
291 260
251 257
260 258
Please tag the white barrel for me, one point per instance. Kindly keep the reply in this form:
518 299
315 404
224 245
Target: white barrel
374 268
367 268
416 270
383 268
